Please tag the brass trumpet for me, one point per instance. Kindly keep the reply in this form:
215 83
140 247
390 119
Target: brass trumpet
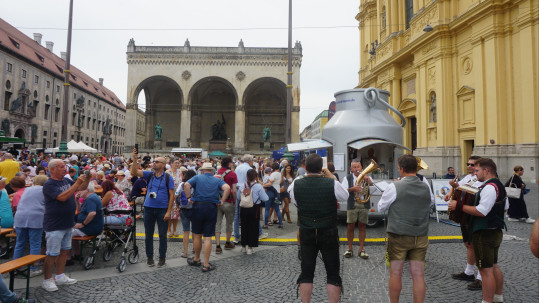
365 191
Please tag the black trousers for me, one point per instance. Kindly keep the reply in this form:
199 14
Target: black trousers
325 240
249 218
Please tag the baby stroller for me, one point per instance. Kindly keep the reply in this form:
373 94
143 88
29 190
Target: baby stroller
122 235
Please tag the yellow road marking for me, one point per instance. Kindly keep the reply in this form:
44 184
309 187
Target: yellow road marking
284 240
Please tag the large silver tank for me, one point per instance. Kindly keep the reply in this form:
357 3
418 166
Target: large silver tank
363 114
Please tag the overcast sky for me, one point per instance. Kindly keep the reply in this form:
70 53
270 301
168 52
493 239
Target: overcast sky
102 28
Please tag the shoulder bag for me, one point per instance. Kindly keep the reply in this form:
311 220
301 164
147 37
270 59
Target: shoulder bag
513 192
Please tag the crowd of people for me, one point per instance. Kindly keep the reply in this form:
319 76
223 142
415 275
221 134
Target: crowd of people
49 200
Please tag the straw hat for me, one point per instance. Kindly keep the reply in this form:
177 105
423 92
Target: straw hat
206 166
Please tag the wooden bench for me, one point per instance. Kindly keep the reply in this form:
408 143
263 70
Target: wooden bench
11 266
5 231
83 241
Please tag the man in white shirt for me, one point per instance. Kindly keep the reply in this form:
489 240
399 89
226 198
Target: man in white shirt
486 228
316 198
468 274
407 203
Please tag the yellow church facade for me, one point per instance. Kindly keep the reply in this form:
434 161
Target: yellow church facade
464 73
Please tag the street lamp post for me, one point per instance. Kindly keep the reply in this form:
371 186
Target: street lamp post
63 138
288 130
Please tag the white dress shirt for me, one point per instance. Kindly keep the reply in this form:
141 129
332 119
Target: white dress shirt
354 180
341 192
390 195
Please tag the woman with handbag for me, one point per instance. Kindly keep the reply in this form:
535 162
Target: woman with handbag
252 193
287 178
517 207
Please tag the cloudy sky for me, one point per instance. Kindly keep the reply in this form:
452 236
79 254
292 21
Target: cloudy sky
102 28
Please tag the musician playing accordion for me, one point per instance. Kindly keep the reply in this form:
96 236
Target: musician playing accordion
468 274
486 227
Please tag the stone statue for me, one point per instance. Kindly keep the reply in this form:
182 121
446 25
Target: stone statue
158 131
266 134
5 126
16 104
80 101
218 130
80 121
433 107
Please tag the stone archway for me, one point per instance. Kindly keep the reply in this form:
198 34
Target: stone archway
211 99
164 99
19 133
265 104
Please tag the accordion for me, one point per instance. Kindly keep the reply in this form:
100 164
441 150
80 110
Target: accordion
464 195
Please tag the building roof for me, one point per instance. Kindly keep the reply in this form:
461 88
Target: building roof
15 41
323 114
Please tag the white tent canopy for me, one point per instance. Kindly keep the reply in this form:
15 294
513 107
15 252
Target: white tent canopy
86 148
74 147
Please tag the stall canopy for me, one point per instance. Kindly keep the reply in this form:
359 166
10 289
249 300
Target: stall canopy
309 145
360 144
185 150
86 148
12 140
217 153
72 147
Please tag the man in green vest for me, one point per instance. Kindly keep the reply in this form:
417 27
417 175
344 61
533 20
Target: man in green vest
407 203
316 197
486 227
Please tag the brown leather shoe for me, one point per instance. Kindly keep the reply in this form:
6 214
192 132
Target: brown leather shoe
475 285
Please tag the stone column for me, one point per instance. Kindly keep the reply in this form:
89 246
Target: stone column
239 140
393 16
185 122
295 124
130 126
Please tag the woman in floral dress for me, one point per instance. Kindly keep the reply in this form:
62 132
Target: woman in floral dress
175 172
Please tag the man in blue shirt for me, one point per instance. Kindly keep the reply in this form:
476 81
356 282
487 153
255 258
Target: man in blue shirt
58 222
205 200
157 205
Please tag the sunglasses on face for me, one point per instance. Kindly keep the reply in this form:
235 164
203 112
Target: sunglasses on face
470 164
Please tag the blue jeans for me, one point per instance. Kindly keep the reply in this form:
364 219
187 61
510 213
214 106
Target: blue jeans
151 216
237 219
6 295
270 203
25 235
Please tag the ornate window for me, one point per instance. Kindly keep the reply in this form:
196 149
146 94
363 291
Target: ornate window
409 10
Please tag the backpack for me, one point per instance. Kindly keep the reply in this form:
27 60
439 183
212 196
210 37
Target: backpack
246 200
222 177
181 199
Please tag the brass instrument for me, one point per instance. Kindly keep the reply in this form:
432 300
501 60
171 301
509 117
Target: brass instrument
421 164
365 185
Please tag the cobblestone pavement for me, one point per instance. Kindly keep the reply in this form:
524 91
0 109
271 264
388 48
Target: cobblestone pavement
269 275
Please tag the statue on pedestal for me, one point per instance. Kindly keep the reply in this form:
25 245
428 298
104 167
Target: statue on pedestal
158 131
218 130
266 134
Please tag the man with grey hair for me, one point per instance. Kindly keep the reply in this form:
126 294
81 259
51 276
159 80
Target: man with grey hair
58 222
8 167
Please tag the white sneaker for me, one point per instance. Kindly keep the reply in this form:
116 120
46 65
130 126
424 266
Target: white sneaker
36 272
243 249
263 236
512 220
250 251
65 280
529 221
49 285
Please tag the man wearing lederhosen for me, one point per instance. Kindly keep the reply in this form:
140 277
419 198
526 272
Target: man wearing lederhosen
316 198
468 273
486 227
407 203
